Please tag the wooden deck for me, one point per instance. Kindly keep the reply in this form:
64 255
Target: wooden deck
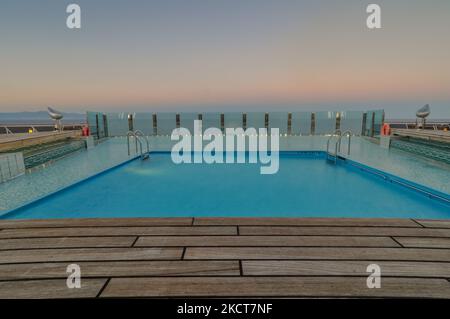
218 257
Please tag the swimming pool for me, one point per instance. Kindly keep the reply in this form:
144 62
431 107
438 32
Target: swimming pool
306 185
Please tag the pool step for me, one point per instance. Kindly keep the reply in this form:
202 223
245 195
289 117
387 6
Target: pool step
331 157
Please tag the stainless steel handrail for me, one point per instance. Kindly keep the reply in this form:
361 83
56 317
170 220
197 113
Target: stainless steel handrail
140 133
349 133
136 141
336 133
137 134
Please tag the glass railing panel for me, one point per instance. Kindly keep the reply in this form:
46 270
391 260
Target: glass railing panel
233 120
166 123
325 123
143 122
279 120
117 124
378 121
256 120
352 120
211 120
101 126
187 121
369 123
92 122
301 123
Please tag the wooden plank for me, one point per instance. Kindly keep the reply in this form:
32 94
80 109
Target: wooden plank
94 222
319 253
66 242
343 231
211 241
343 268
278 286
435 223
56 288
306 222
117 231
424 242
88 254
122 269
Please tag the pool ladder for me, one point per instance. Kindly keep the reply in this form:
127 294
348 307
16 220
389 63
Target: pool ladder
333 157
137 140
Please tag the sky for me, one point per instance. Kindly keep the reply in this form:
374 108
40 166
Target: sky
227 55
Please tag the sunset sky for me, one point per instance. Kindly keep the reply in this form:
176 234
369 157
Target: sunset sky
227 55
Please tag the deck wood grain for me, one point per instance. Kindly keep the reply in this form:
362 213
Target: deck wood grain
88 254
434 223
347 222
66 242
255 241
343 231
278 286
220 257
95 222
320 253
39 289
424 242
117 231
121 269
343 268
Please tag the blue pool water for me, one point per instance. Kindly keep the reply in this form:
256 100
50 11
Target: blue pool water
306 185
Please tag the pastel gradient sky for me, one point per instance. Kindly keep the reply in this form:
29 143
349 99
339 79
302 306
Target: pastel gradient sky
225 54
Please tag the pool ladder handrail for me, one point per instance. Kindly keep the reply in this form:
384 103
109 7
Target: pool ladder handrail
141 134
348 133
334 156
137 134
337 145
